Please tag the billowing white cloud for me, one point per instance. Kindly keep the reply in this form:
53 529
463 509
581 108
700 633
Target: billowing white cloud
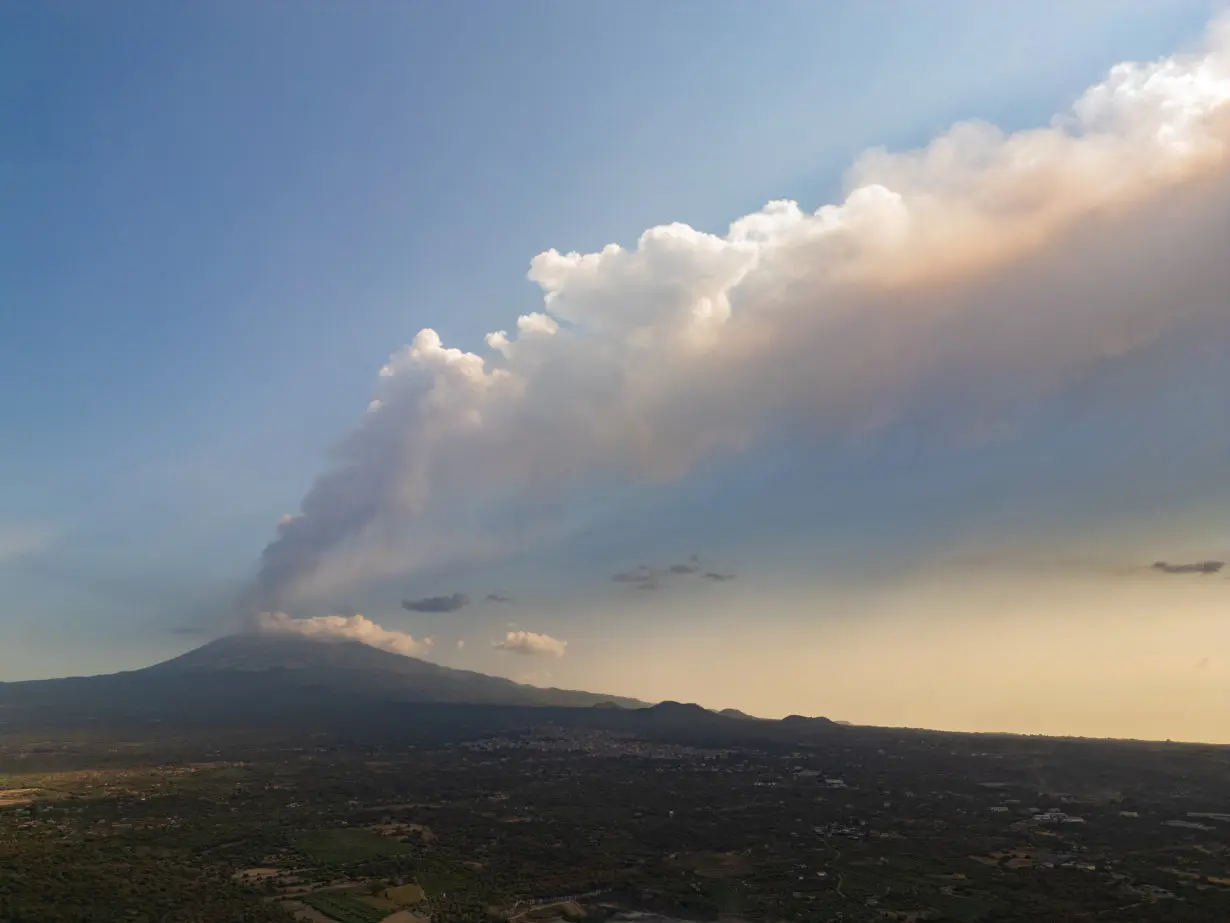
972 275
529 642
345 628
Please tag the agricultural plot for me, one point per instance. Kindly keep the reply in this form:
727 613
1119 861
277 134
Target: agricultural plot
343 907
380 903
715 865
347 845
404 895
437 878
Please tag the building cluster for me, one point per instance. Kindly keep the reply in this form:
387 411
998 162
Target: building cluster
597 744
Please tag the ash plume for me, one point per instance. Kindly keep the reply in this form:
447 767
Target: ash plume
975 275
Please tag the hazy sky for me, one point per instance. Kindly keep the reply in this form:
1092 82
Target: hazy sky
265 262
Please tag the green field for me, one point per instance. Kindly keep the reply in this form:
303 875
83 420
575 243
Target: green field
343 907
347 845
438 878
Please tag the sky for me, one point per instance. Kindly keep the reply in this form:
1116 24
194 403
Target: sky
878 349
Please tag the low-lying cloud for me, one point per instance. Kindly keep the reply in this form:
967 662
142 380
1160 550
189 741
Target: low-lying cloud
972 276
451 603
531 643
344 628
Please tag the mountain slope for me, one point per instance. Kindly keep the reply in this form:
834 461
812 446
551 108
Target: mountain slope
263 670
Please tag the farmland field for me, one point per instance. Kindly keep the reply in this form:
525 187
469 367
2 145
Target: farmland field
343 907
404 895
347 845
437 878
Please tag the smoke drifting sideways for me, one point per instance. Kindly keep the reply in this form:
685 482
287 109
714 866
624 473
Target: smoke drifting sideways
975 274
344 628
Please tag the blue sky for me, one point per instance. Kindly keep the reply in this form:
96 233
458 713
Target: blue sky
223 217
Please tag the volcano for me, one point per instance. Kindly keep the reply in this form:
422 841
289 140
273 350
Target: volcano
291 686
253 672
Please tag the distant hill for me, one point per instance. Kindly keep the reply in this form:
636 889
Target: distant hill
802 722
680 713
735 713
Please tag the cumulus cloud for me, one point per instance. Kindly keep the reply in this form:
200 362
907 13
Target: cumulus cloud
972 276
450 603
531 643
344 628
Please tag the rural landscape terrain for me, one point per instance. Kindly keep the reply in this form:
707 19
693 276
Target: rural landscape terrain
327 798
749 429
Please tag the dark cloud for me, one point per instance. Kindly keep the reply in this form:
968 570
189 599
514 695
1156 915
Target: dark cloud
437 603
642 577
498 598
645 577
1062 565
1200 567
